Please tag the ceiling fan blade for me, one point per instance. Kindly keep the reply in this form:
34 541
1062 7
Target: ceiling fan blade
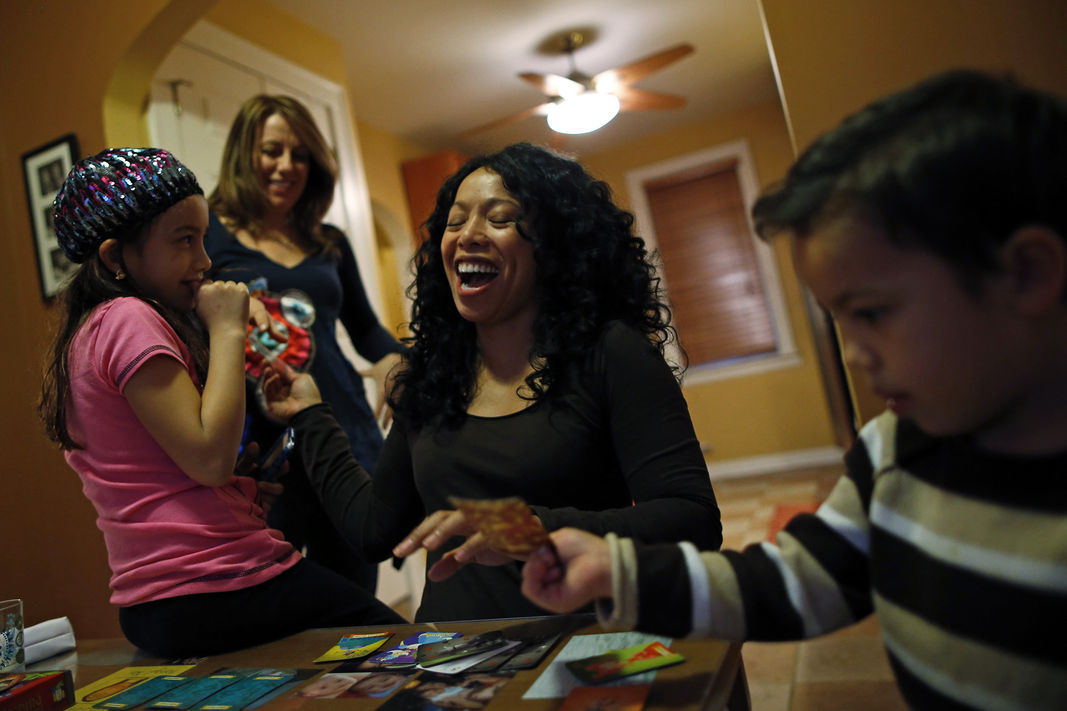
540 110
609 80
553 84
631 99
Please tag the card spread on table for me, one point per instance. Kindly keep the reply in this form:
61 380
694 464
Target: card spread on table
228 689
354 646
115 683
458 647
441 691
142 692
403 655
606 698
246 689
466 665
623 662
531 654
188 695
507 524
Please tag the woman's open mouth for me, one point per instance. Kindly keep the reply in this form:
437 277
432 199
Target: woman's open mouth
474 276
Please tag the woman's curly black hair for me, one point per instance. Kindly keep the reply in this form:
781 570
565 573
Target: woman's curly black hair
590 267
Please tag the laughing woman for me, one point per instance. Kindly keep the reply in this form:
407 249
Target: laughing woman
536 370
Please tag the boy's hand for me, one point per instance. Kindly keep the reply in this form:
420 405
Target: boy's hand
585 574
220 304
286 392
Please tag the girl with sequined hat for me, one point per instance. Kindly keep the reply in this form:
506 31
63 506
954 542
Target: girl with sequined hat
145 393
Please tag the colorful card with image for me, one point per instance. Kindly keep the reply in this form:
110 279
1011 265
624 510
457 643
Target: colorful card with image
468 664
403 655
354 646
373 685
145 691
441 691
249 688
458 647
507 524
188 695
606 698
623 662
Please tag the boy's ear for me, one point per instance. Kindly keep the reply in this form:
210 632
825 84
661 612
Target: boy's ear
1035 260
110 251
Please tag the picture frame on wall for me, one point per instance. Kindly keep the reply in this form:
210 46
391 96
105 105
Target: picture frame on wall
44 169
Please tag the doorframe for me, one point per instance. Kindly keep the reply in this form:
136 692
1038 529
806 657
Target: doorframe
354 192
785 354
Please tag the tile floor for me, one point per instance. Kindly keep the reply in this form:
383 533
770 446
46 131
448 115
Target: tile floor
844 671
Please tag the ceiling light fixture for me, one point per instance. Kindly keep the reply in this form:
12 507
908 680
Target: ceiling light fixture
583 113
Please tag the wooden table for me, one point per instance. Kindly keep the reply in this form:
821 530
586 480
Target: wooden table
704 681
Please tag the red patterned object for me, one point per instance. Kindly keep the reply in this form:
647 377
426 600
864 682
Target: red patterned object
292 314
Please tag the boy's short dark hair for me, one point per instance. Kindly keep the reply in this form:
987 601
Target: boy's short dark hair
954 164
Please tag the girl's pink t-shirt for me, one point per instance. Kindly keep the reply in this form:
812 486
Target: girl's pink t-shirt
166 534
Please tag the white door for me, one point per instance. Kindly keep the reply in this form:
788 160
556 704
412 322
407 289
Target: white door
196 94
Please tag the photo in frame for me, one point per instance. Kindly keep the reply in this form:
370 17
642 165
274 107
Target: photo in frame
44 170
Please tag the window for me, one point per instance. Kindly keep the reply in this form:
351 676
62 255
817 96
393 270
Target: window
722 280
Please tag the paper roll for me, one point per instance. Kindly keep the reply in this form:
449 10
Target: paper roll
47 639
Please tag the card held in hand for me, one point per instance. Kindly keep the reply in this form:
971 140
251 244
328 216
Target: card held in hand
507 524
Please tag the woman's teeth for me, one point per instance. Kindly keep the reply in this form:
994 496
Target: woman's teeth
475 274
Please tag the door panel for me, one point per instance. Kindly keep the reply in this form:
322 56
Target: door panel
195 96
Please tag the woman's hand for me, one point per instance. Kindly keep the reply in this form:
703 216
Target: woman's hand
580 574
437 528
286 392
259 317
384 373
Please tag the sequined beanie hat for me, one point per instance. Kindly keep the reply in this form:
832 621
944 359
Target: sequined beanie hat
114 192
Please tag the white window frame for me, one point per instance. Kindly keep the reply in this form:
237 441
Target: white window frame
785 355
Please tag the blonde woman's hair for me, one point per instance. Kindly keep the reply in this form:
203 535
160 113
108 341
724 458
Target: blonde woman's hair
240 198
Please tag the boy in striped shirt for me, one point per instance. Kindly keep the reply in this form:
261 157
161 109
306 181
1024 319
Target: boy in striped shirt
933 226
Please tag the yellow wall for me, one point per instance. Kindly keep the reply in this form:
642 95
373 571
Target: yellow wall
779 411
834 56
382 155
66 53
78 62
83 68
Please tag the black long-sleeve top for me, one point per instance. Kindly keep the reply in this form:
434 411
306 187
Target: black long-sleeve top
617 452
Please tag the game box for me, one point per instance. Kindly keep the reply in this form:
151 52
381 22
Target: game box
36 691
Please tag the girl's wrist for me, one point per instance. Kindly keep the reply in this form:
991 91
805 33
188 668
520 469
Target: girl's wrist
220 331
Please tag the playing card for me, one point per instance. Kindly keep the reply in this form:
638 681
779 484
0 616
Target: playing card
531 654
432 691
463 646
403 655
145 691
507 524
239 694
606 698
623 662
353 646
466 665
188 695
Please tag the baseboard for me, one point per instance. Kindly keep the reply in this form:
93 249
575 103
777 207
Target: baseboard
778 462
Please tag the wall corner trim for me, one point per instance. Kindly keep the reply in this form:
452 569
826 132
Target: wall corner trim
778 462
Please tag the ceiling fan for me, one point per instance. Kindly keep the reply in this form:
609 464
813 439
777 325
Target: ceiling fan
579 103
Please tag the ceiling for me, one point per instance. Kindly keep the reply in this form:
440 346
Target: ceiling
426 70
